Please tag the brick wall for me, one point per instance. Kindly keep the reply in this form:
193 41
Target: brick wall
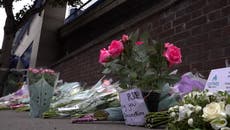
201 28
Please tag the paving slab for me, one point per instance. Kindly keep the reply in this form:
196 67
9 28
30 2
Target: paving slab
11 120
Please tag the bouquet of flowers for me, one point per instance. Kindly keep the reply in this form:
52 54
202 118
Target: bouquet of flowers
34 75
41 87
139 61
197 111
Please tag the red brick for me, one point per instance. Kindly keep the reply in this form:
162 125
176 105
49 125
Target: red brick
166 18
215 43
183 69
214 15
227 52
214 34
216 24
166 33
182 19
198 48
226 11
197 57
214 4
168 26
181 12
197 13
196 22
181 36
196 5
226 31
180 28
197 30
156 32
198 66
185 51
216 53
197 39
214 64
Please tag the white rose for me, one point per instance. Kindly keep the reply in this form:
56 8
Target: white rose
218 123
213 110
190 122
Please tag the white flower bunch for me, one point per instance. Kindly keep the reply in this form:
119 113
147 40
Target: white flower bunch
201 110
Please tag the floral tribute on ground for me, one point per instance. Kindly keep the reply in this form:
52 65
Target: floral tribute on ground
139 61
197 111
41 88
34 75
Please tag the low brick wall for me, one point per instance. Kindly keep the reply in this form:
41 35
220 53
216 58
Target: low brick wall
201 28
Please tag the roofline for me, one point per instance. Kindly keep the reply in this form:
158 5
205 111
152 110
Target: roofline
89 16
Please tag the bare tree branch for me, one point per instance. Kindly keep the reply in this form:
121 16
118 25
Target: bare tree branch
32 11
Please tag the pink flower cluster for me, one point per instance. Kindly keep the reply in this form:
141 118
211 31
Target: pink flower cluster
115 49
41 71
172 54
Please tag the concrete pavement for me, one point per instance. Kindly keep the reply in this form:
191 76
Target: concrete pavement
11 120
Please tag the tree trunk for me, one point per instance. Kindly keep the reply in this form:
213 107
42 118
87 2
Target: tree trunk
9 33
5 59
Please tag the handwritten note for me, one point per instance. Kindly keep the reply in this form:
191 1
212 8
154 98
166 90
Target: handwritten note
133 107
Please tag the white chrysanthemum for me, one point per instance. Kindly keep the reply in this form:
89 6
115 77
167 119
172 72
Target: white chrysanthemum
198 108
173 114
190 122
171 109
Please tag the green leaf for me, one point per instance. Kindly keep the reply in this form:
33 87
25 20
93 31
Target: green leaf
144 37
149 72
133 75
106 71
134 36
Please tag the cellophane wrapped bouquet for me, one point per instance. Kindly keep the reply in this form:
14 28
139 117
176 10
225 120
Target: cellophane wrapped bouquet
41 87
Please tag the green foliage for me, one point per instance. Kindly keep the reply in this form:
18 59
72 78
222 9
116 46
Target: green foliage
142 65
12 82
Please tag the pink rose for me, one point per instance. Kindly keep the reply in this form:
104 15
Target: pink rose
35 71
104 56
125 38
172 54
51 71
139 43
116 48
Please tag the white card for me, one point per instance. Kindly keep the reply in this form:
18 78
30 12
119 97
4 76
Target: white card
219 80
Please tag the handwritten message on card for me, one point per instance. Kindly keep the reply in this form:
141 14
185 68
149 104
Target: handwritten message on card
133 107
